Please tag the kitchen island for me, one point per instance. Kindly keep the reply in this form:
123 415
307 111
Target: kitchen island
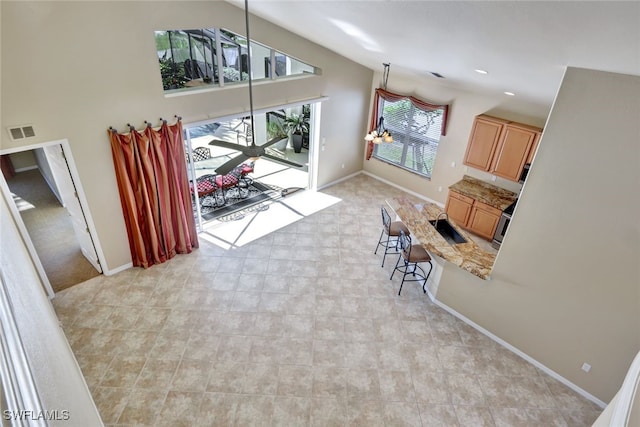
468 256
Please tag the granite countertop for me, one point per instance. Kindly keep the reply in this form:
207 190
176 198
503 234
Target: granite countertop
484 192
468 256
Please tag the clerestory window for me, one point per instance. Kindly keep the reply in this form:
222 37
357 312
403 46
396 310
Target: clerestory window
218 57
416 127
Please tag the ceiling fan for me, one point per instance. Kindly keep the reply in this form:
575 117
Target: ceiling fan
251 151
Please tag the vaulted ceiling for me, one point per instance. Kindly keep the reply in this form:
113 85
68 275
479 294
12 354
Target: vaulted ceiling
523 45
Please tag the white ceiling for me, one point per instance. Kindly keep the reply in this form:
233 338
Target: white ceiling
524 45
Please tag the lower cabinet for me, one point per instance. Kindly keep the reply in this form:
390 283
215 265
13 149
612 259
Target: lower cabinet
483 220
458 207
473 215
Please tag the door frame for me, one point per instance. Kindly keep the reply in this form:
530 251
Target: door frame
75 177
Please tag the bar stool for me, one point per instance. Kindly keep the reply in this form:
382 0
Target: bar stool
392 231
412 255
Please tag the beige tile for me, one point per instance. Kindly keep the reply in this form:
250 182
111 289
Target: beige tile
268 324
328 412
517 392
359 329
401 414
191 375
396 386
143 407
123 371
363 384
525 417
219 409
438 415
94 366
201 346
180 409
365 413
328 328
431 386
170 344
295 380
465 389
297 326
234 349
474 416
110 402
361 355
260 379
255 411
226 377
328 353
157 373
329 382
291 411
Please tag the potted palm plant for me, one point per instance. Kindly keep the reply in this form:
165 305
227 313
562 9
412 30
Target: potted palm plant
276 129
296 125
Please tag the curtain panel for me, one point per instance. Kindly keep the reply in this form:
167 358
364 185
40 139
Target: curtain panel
154 193
394 97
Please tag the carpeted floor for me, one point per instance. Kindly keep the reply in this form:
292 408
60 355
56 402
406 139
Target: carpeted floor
51 232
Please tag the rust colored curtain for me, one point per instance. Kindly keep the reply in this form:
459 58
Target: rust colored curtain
394 97
154 193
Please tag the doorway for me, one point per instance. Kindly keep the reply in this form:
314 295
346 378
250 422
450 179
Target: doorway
50 214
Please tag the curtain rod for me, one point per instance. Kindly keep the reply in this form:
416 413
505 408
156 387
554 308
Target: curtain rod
146 123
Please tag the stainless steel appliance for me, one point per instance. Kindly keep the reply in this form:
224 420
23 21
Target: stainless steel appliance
525 172
503 224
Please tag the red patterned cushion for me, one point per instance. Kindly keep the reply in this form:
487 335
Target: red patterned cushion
226 181
204 187
246 169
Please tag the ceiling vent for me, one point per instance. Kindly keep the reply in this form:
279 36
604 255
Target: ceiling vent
438 75
21 132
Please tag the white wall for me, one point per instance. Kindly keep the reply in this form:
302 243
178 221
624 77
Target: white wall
76 68
565 288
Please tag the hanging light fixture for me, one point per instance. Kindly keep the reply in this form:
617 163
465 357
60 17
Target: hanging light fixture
380 134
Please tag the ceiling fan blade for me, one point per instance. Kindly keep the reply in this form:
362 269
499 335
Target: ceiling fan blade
278 159
226 144
271 142
227 166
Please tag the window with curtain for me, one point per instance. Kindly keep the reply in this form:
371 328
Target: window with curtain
416 127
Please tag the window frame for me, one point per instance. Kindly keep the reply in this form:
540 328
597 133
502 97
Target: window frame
381 96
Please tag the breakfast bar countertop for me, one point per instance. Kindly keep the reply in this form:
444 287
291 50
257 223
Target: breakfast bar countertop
468 256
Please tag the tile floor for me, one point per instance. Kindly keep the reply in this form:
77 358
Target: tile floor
300 327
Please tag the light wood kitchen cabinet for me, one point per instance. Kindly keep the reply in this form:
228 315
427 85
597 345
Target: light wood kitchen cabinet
472 214
501 147
484 138
458 207
483 219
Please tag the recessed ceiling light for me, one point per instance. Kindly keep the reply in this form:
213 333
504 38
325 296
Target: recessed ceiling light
479 71
510 93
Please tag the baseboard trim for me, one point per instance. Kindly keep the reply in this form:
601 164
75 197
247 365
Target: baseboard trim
26 168
413 193
111 272
520 353
339 180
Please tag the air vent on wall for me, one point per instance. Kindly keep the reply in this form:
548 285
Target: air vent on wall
21 132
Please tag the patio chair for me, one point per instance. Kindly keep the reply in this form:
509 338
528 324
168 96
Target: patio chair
201 153
207 191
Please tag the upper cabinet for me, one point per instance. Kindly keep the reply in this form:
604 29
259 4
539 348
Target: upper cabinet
501 147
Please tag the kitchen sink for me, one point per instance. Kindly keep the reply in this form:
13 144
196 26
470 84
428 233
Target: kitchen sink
447 231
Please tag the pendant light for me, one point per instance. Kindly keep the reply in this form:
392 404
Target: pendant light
380 134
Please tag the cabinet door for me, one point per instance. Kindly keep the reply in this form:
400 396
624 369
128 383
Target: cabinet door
458 208
512 152
484 220
483 140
